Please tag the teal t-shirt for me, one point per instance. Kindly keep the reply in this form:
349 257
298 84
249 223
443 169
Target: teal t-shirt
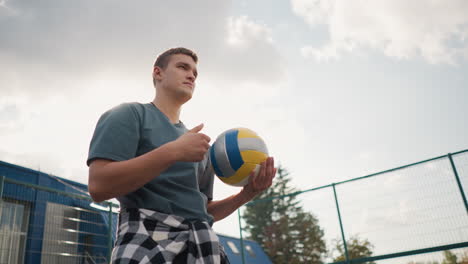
133 129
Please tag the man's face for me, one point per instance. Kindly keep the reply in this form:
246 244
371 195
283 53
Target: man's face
178 78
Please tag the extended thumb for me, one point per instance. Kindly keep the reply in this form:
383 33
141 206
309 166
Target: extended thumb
197 128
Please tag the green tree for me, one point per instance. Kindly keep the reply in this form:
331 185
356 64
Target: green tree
450 258
286 232
428 262
357 248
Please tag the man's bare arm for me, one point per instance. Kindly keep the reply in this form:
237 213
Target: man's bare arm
110 179
223 208
257 184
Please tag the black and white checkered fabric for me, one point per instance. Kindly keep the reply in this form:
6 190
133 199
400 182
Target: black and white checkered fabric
146 236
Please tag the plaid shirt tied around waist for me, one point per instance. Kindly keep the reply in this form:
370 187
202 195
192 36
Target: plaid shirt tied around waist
146 236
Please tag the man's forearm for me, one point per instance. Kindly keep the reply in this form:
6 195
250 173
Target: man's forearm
116 178
223 208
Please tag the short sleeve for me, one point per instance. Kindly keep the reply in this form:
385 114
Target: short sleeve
206 177
116 135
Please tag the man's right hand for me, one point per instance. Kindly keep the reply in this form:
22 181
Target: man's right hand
192 145
110 179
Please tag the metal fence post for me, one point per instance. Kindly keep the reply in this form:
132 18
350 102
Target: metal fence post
2 180
241 239
341 224
458 181
109 253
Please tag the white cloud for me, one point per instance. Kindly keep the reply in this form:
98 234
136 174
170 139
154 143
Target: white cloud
50 45
247 56
242 30
62 66
435 30
6 10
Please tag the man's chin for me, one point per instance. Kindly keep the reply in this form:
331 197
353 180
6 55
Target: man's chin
185 96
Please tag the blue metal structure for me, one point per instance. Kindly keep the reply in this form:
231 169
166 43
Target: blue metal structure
253 253
34 191
21 186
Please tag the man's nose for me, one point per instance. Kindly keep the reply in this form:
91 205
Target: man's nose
191 77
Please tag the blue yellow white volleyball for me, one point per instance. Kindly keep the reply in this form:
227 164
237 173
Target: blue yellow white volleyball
235 154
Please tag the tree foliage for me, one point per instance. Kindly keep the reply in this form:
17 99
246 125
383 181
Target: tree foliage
449 258
287 233
357 248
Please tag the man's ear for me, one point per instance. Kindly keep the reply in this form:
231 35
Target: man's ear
157 73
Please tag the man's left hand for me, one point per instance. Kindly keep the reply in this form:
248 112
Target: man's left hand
261 181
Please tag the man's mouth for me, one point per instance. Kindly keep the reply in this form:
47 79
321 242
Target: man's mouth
189 84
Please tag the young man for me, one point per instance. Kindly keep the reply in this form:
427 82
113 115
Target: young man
143 155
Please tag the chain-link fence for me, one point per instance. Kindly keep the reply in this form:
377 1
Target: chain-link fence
411 214
39 224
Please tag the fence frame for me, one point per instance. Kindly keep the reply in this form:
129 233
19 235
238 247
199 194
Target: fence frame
385 256
449 156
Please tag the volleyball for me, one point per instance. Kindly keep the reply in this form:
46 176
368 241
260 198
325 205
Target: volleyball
235 154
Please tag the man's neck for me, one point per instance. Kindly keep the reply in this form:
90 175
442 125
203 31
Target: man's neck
168 108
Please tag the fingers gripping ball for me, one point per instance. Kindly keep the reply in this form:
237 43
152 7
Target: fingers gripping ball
235 154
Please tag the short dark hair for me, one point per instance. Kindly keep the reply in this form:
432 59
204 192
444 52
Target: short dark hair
163 58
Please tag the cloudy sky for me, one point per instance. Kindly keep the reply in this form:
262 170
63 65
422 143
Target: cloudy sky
338 89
